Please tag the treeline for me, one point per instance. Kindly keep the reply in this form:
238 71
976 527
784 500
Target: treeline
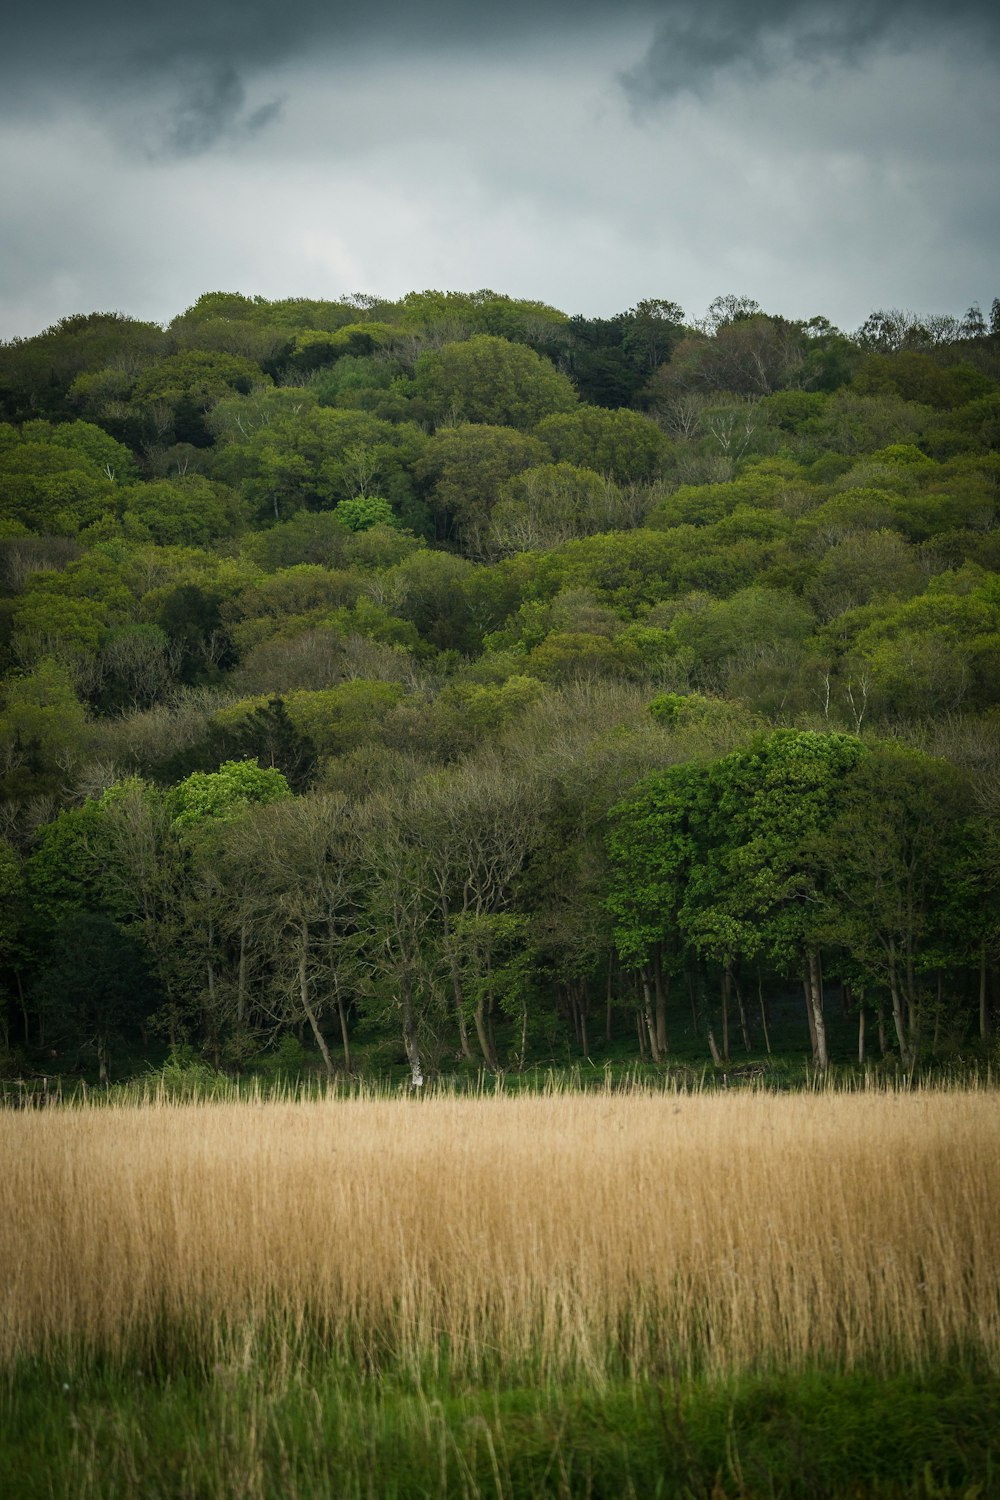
474 678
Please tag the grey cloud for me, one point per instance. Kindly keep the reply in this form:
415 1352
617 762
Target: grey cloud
210 104
696 43
178 78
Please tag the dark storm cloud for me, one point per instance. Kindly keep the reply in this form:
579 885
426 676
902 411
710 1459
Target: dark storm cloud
179 78
695 43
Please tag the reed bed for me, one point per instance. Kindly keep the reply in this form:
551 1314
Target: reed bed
563 1236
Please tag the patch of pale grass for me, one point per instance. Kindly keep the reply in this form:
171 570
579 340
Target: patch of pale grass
586 1234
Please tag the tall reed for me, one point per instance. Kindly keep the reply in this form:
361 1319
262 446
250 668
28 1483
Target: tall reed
563 1235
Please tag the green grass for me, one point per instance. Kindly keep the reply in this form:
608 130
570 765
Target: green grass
319 1432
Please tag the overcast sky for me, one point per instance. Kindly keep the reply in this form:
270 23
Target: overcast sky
822 159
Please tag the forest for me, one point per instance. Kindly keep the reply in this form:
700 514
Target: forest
454 685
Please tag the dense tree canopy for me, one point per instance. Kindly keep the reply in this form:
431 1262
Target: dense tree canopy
451 681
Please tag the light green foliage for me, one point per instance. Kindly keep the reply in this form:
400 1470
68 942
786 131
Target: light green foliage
188 511
206 796
112 458
42 706
335 719
198 378
65 870
623 444
750 624
543 506
303 456
51 487
362 512
654 844
487 379
937 652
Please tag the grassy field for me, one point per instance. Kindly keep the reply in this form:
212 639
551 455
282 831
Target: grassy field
565 1294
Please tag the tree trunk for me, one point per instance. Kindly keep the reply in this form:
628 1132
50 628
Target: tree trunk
898 1015
310 1014
984 996
815 992
763 1011
726 981
584 1012
241 985
459 1001
662 988
410 1037
880 1022
344 1037
482 1032
607 1002
649 1014
809 1014
861 1035
744 1021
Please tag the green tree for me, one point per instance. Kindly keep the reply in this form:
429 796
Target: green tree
225 793
487 379
463 469
364 511
900 883
626 445
189 511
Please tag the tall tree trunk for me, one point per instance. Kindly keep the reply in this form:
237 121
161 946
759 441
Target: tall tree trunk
662 990
984 996
483 1034
898 1013
763 1011
410 1041
815 990
809 1014
861 1035
344 1037
458 998
726 982
648 1011
608 995
744 1020
308 1011
241 983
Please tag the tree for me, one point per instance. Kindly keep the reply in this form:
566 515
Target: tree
899 878
654 841
207 795
95 987
52 488
477 824
463 468
487 379
364 511
293 864
189 511
626 445
541 507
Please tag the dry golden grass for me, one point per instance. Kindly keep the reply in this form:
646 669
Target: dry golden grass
584 1234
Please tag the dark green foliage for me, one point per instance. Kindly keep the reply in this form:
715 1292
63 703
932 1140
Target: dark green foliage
364 545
